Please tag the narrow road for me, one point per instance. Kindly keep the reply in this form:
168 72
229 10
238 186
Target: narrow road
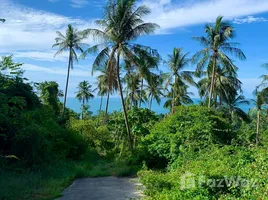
104 188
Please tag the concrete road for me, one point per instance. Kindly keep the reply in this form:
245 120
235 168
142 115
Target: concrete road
104 188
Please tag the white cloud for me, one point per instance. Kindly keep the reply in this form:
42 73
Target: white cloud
58 74
29 29
79 3
42 55
249 19
170 15
78 72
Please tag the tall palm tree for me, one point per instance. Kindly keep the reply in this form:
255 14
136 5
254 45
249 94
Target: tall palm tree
216 45
71 42
145 62
85 92
177 61
2 20
107 82
132 91
121 24
226 84
154 89
260 102
182 97
101 93
232 104
265 77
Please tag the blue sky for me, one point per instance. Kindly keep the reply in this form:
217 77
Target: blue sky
30 28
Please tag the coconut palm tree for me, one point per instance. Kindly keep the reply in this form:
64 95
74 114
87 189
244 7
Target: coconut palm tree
260 102
154 89
177 61
226 83
182 97
217 46
2 20
107 83
101 93
132 90
84 93
145 62
107 80
71 42
232 104
264 77
121 24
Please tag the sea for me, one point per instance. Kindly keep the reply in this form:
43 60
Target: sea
115 105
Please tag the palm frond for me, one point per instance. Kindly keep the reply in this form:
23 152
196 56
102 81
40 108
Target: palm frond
96 34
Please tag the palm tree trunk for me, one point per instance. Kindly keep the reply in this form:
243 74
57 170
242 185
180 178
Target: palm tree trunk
67 82
151 102
141 92
215 101
173 102
132 100
212 81
258 127
83 108
174 94
99 118
106 109
122 101
100 104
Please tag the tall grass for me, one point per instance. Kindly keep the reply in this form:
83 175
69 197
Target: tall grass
48 181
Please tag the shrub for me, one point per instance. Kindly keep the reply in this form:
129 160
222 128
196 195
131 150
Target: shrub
97 138
38 138
225 163
190 129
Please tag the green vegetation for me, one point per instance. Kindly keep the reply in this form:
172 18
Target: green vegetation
48 181
44 146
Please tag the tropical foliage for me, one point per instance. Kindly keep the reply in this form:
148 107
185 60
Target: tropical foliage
44 145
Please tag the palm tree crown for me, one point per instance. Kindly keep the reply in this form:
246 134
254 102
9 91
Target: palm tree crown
85 92
177 77
216 45
265 77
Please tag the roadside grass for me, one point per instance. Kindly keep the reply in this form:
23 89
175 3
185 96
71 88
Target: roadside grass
47 182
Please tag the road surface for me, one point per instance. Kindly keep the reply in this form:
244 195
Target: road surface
104 188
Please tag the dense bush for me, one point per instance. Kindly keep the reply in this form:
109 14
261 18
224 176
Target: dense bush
141 120
38 138
98 138
29 130
189 129
196 142
226 163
